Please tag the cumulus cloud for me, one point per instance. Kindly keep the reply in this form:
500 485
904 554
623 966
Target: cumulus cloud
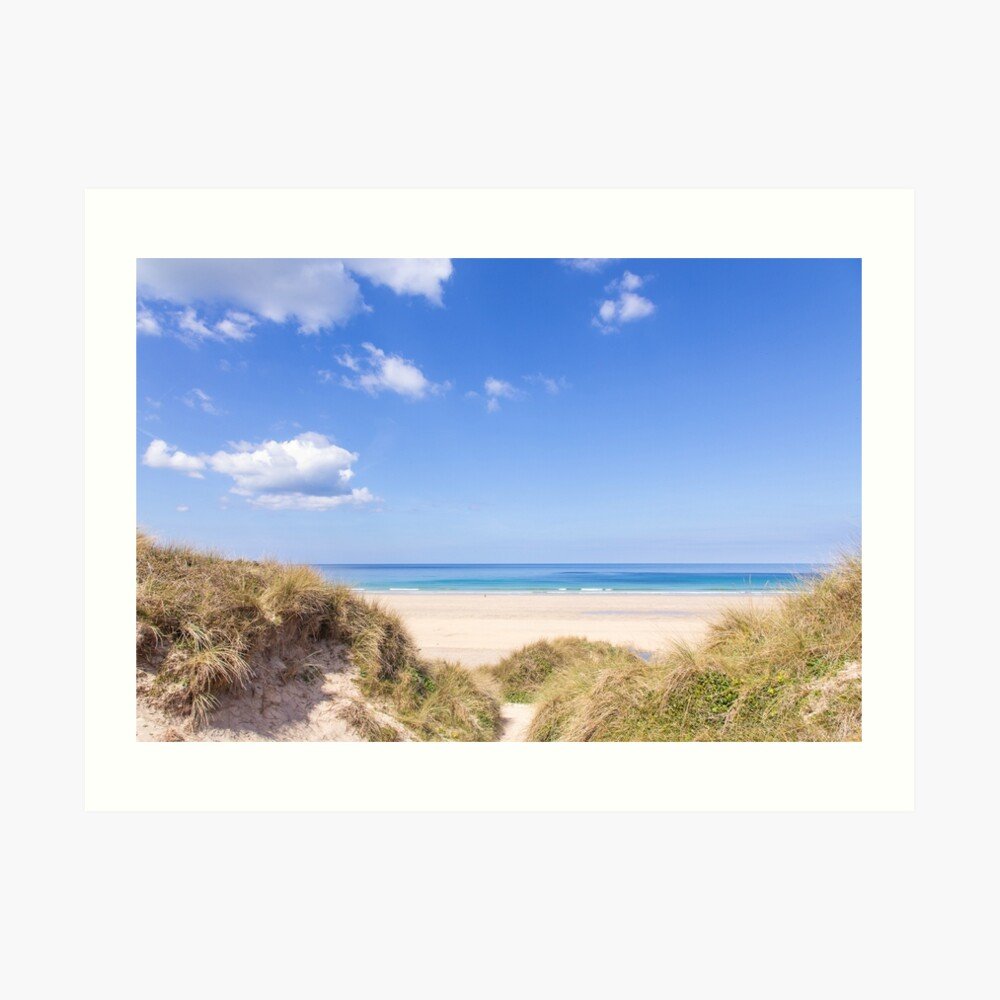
380 372
589 265
309 463
308 472
414 276
317 295
160 455
627 305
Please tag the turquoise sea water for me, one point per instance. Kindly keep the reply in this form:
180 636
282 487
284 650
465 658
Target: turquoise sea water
573 577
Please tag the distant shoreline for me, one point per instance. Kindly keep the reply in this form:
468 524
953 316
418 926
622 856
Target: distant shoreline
570 578
582 592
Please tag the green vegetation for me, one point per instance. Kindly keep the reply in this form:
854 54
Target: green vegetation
790 674
525 672
205 625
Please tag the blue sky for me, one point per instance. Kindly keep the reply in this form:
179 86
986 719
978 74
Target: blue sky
502 410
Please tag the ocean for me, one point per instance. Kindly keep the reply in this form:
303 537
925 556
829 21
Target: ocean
548 578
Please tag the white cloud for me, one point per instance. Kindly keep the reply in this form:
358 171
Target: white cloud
160 455
309 463
381 372
191 327
147 323
236 326
306 501
497 389
589 265
197 399
347 360
412 276
632 307
628 282
553 386
308 472
315 294
627 307
182 508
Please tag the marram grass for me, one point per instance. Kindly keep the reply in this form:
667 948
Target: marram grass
204 624
792 673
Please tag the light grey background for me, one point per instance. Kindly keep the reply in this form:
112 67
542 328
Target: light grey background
454 94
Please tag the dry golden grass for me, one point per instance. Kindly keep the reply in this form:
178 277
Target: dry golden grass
445 702
203 623
524 672
363 721
790 674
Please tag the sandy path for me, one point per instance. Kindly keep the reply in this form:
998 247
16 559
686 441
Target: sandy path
476 629
516 721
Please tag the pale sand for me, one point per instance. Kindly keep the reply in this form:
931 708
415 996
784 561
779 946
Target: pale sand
476 629
515 720
279 705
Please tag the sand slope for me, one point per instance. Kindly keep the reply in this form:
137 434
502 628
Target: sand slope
278 706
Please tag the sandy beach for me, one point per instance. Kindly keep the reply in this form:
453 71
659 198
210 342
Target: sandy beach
475 629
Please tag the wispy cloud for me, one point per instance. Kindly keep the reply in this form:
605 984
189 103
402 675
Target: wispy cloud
146 323
497 389
377 372
197 399
626 306
190 326
553 386
589 265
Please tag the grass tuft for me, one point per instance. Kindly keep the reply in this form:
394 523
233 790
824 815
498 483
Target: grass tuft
363 721
203 622
524 672
793 673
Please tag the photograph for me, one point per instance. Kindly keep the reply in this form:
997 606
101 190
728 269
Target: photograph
498 499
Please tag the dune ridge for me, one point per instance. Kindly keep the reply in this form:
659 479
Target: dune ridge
242 650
